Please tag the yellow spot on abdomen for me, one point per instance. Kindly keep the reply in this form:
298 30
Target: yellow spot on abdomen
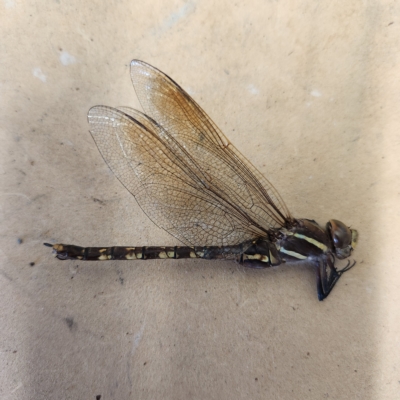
131 256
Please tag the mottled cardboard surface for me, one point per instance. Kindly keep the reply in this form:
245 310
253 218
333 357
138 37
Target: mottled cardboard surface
309 92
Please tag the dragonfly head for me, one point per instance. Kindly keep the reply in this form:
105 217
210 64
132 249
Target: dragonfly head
344 239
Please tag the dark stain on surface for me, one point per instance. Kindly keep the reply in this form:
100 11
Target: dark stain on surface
101 202
70 323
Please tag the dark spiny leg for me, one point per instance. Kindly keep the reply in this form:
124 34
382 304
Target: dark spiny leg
349 265
327 276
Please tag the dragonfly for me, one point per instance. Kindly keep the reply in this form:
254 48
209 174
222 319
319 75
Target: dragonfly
191 181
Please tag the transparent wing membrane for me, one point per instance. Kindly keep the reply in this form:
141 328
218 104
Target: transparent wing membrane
184 173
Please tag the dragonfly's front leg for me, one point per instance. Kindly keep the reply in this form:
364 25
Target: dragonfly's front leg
327 276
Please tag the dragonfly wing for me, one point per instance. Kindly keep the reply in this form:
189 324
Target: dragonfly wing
167 182
225 169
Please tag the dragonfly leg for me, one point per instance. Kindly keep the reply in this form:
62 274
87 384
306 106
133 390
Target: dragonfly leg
327 276
348 266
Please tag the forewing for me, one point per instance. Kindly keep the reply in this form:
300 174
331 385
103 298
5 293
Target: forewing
225 169
167 183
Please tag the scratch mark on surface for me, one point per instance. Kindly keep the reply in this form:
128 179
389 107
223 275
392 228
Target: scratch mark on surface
19 386
175 17
37 72
136 341
252 89
66 58
5 275
9 3
16 194
190 91
316 93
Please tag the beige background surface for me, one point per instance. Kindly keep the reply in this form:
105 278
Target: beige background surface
309 91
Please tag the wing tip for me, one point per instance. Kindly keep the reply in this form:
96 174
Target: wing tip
94 111
142 67
135 62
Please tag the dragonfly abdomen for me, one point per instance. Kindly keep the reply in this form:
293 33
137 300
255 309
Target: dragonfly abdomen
261 251
72 252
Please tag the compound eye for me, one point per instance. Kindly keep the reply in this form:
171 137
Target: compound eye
341 234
